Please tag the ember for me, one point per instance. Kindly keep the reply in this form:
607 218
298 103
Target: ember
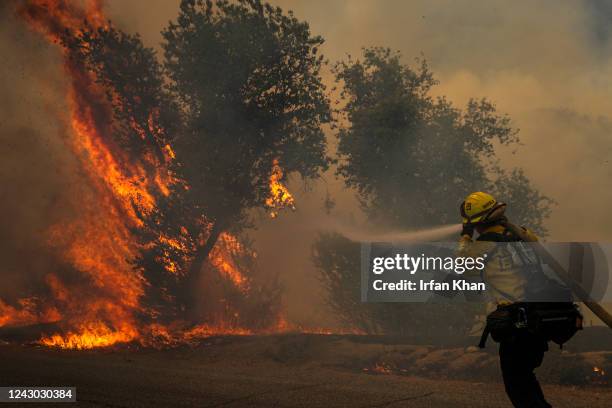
599 376
379 368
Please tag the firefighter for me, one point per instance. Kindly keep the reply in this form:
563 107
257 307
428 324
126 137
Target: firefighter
521 351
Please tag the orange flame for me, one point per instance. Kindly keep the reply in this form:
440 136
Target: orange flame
91 335
178 244
222 257
121 193
599 376
280 197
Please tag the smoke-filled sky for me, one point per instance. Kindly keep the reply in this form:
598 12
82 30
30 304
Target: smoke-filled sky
548 64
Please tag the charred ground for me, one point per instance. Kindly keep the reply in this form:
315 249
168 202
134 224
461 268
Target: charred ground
296 370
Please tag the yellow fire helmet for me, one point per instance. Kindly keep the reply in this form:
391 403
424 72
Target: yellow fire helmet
479 207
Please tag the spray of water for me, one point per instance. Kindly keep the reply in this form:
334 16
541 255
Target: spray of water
440 233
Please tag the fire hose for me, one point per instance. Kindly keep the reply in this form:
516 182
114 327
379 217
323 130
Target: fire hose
578 290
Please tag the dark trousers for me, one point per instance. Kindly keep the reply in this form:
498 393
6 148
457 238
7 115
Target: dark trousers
518 358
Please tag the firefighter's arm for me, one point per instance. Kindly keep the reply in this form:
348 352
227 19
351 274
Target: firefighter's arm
465 242
469 248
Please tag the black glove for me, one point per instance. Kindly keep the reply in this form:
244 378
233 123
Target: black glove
468 229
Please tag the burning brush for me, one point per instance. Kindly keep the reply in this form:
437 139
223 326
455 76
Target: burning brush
126 157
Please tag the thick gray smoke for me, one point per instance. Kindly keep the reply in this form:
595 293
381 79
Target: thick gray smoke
37 170
548 64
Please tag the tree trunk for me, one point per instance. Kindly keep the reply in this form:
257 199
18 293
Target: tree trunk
203 251
195 270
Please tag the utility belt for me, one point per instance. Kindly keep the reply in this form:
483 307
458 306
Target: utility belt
554 321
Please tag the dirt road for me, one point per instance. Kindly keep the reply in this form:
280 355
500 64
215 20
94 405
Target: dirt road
268 371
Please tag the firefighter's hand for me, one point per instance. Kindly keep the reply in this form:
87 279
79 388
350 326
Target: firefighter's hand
468 229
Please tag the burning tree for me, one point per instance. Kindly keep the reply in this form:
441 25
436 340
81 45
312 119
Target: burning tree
124 155
174 156
247 77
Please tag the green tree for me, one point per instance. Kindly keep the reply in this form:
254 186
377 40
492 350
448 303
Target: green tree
412 159
247 77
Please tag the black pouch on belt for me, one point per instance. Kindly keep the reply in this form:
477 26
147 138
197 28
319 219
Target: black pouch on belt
503 322
556 321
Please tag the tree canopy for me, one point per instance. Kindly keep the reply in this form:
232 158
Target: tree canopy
413 158
247 76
